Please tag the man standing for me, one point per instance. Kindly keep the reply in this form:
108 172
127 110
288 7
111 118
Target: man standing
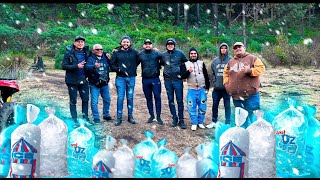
98 68
198 86
241 80
150 65
173 60
76 79
219 90
124 62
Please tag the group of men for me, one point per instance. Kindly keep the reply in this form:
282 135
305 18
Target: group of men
236 77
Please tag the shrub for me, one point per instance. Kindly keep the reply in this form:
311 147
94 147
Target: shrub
13 65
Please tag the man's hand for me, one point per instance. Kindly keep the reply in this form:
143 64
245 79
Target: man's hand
81 65
114 50
190 69
108 55
156 49
247 71
96 65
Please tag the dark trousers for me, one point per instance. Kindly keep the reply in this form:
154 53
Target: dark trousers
175 87
152 87
84 95
216 96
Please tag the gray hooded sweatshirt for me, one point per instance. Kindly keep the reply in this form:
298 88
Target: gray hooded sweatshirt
217 67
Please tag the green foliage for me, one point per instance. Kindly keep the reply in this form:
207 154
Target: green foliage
13 65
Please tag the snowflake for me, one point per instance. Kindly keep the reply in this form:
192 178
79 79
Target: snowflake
277 32
70 24
208 11
170 9
17 22
83 13
94 31
110 6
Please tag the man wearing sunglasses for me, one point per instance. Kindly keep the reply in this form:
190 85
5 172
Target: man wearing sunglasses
98 68
241 80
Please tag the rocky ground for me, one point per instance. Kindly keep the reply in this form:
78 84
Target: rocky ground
49 89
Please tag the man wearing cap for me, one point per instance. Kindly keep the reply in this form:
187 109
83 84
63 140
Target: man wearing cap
241 80
73 62
173 61
198 86
124 62
219 91
98 68
150 65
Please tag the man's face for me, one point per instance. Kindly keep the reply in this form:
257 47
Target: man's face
125 43
170 46
147 46
98 50
193 55
239 50
223 49
79 44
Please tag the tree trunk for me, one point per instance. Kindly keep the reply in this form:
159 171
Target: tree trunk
255 13
215 19
178 14
198 15
157 6
244 25
185 10
228 13
302 27
271 12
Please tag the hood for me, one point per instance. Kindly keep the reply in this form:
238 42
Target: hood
193 49
173 40
227 53
241 56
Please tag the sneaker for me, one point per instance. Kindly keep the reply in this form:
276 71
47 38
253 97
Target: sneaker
131 120
182 125
159 120
96 121
211 125
150 120
201 126
107 118
119 121
174 122
194 127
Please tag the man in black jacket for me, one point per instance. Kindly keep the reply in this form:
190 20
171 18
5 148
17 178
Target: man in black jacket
150 65
173 60
76 79
124 62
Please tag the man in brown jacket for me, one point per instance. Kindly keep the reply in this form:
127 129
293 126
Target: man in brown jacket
241 80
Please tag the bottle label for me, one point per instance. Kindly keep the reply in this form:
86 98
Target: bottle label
143 165
167 172
287 143
79 153
100 170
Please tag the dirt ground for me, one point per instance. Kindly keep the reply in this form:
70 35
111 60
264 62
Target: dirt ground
49 89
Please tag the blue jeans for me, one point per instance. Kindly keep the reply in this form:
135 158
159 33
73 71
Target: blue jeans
84 95
197 105
125 86
216 96
152 86
105 94
250 104
175 87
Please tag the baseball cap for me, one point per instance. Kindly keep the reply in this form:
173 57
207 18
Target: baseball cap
79 38
238 44
147 41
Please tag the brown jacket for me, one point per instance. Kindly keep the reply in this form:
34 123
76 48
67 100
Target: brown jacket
239 82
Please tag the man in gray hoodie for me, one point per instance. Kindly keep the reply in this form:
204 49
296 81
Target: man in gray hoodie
219 90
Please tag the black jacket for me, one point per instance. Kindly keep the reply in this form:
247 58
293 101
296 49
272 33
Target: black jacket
150 63
173 61
125 63
93 73
70 64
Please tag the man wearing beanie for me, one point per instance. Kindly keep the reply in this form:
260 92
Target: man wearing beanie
124 62
151 84
219 91
198 86
242 82
173 60
73 62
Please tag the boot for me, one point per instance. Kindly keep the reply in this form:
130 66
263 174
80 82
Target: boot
151 118
119 121
159 120
181 124
174 122
131 120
